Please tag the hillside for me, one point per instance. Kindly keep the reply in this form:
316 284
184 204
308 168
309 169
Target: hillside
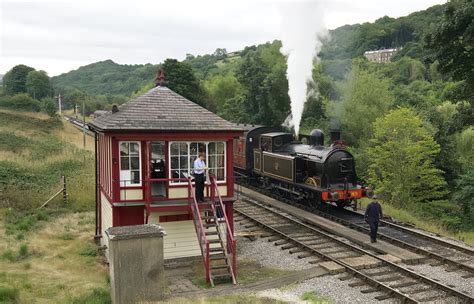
106 78
343 44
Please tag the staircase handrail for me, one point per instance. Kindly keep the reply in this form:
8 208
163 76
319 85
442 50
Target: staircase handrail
197 220
232 246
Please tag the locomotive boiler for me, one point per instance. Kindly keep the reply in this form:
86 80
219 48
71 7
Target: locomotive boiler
311 173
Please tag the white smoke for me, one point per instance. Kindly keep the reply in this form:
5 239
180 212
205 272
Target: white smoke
301 26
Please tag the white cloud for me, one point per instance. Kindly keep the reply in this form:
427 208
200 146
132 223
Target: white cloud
57 36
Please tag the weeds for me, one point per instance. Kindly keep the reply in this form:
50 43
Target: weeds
313 298
96 296
12 256
88 251
9 295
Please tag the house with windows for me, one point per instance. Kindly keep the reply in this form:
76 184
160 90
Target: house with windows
145 150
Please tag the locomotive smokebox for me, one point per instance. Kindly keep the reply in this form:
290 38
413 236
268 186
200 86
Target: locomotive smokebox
316 138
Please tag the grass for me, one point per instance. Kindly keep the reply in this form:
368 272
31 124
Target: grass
35 151
9 294
313 298
95 296
248 272
49 269
47 256
431 226
229 299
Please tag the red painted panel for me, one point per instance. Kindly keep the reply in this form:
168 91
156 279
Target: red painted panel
224 135
115 171
230 168
130 215
175 218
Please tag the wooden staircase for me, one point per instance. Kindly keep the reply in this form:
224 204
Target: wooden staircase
214 235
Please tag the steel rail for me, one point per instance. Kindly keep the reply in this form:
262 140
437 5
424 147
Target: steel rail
397 241
449 291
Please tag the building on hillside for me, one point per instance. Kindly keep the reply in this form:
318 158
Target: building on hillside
145 151
381 56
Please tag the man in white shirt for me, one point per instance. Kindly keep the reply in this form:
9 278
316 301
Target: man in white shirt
199 176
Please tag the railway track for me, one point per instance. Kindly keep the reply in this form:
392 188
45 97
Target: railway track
78 124
454 257
391 280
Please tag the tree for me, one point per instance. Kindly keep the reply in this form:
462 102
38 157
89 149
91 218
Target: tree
464 195
14 81
262 74
181 79
219 89
366 96
38 84
452 42
401 156
48 106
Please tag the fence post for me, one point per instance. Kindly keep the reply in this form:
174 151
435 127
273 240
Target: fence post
64 189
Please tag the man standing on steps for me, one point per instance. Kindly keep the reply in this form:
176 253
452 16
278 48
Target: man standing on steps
373 213
200 176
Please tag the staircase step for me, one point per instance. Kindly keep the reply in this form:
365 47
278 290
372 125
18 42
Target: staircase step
214 241
210 225
217 257
219 267
211 233
223 275
217 249
205 218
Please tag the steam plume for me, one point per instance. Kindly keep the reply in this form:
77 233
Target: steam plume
301 24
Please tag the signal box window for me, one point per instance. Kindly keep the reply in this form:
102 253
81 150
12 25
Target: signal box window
130 168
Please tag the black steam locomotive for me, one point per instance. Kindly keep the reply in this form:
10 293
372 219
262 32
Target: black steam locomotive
312 173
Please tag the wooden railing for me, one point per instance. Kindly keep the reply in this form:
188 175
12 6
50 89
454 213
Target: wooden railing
231 244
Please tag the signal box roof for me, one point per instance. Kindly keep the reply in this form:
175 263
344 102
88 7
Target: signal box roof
161 109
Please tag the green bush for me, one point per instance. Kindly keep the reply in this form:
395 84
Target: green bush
22 102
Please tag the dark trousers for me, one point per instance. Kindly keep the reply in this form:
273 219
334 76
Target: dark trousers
199 181
374 226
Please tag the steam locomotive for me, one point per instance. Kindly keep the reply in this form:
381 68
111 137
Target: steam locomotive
311 173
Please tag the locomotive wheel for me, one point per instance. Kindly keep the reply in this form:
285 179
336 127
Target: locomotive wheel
340 204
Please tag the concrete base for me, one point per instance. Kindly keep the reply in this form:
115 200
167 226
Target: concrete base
357 237
390 258
362 262
331 267
136 263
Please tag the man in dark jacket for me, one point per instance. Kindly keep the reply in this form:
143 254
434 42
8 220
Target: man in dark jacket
373 213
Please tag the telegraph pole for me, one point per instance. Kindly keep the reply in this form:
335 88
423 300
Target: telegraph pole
84 121
59 103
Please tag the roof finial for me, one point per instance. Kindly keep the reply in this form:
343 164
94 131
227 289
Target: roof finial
160 78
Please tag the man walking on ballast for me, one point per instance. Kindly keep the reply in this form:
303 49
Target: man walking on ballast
373 213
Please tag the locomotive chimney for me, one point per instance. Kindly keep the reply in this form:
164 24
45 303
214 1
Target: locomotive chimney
316 138
335 129
335 135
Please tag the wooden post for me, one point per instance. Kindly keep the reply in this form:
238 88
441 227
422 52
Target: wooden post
64 189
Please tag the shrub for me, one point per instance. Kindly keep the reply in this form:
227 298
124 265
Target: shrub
22 102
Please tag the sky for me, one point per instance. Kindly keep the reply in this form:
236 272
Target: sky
58 35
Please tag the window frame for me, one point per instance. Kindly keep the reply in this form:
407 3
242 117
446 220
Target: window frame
128 184
190 165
